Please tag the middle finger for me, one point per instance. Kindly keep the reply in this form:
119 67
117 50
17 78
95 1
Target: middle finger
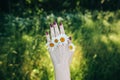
56 29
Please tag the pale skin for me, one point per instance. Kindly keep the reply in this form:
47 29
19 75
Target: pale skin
60 54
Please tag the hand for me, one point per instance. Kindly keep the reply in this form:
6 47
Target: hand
59 45
61 50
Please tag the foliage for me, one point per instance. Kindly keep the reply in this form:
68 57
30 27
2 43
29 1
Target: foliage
24 56
58 5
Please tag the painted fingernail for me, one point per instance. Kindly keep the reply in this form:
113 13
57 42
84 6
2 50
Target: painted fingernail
54 23
51 25
46 33
70 38
60 23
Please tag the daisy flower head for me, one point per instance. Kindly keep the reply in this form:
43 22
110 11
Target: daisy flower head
50 44
55 40
71 47
63 38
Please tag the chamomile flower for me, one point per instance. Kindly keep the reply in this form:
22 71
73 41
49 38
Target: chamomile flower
63 38
50 44
71 47
55 40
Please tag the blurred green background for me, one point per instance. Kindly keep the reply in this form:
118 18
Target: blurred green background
93 24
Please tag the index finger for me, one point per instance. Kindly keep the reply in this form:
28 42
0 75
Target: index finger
52 31
47 37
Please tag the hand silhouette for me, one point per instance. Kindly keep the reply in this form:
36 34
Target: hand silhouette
59 45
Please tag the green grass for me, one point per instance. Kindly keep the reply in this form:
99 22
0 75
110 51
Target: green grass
23 54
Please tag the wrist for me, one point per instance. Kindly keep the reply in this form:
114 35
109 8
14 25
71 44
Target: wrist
62 71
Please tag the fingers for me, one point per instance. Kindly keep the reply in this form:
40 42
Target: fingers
71 49
70 40
56 29
47 37
62 29
71 45
52 31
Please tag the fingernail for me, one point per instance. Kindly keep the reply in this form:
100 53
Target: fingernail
51 25
70 38
46 33
54 22
60 23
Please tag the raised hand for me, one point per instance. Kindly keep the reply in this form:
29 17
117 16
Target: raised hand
61 50
59 45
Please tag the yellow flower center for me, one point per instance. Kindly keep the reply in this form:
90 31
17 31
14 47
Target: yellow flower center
51 45
70 47
56 41
62 39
